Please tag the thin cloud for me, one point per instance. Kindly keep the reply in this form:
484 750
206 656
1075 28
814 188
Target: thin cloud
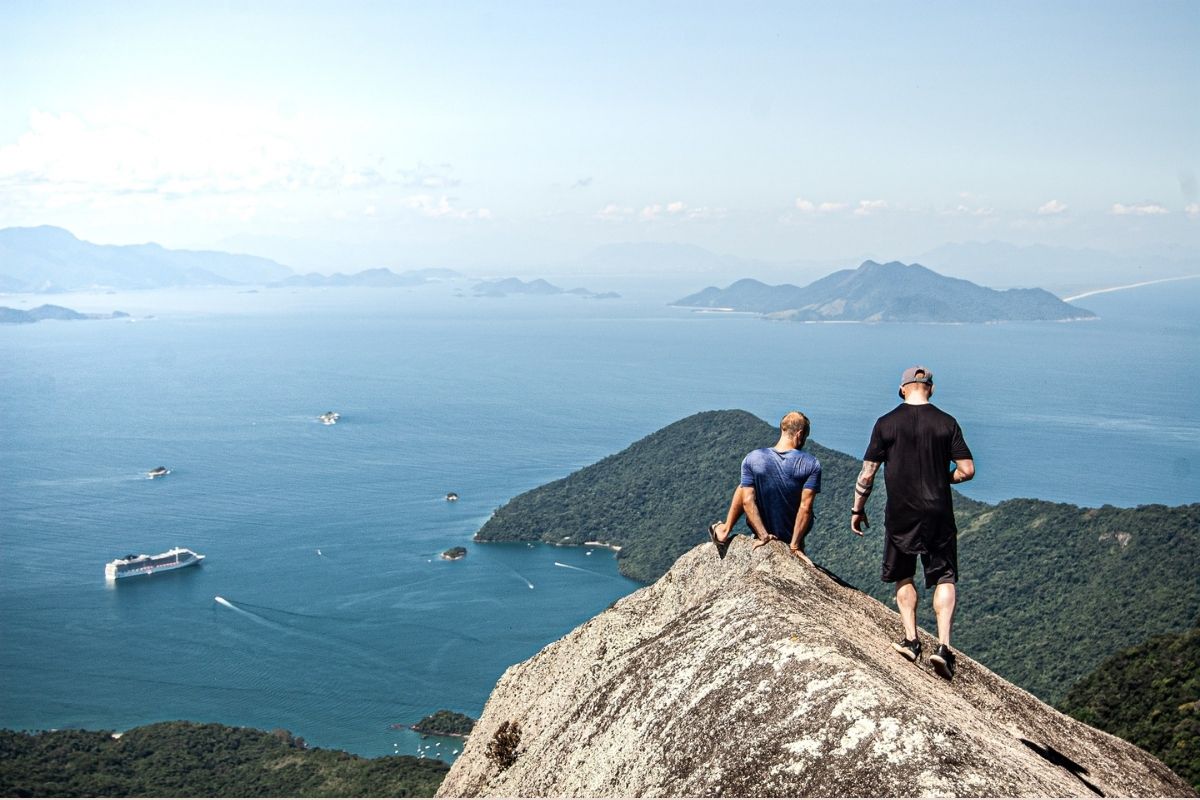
442 207
868 207
1052 208
675 210
423 176
187 151
653 212
962 210
827 207
613 213
1139 210
1192 210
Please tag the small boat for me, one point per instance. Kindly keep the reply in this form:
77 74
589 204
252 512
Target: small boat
451 497
330 418
158 472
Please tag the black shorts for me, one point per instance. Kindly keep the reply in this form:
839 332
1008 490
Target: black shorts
940 563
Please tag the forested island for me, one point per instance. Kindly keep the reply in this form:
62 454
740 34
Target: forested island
378 278
891 292
187 759
17 316
445 723
539 286
455 553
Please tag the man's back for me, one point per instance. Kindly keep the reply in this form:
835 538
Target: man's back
778 479
917 444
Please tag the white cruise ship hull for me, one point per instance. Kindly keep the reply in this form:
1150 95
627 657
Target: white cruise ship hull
149 565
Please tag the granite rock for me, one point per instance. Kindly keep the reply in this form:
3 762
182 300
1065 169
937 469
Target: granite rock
756 675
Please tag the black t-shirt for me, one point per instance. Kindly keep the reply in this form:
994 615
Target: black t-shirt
917 444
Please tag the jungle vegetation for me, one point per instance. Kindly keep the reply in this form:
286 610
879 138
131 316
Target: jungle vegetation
187 759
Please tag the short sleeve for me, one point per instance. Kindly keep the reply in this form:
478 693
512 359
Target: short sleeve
747 471
877 448
958 446
814 477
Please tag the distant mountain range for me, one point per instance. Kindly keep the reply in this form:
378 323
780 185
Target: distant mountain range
507 286
49 259
19 316
378 278
891 292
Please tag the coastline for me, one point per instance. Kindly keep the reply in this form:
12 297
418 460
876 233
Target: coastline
426 732
777 316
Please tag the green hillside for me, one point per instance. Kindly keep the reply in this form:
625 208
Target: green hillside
1049 589
1148 695
185 759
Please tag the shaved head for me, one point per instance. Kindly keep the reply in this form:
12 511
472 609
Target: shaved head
793 423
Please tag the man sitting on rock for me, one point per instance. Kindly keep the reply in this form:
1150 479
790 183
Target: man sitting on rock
776 491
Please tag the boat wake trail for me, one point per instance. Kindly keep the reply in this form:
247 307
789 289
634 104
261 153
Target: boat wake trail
243 604
259 618
348 647
581 569
1073 298
522 578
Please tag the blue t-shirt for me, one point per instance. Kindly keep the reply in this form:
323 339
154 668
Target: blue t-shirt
778 479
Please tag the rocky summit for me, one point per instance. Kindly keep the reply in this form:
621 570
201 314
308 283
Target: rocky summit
756 675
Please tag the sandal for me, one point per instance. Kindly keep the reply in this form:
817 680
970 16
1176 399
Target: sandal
721 546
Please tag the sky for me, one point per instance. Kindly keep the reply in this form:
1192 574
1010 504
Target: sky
459 133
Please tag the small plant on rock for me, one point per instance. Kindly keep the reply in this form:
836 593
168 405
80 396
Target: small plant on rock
502 750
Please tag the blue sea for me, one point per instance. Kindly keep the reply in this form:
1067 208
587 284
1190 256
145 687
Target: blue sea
340 619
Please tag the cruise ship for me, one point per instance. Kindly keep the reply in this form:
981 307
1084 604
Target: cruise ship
132 565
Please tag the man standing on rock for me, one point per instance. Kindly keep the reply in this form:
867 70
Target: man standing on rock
777 490
919 443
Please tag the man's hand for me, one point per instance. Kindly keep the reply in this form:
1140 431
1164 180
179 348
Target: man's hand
964 470
862 488
799 553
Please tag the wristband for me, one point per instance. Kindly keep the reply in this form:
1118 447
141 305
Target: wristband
855 513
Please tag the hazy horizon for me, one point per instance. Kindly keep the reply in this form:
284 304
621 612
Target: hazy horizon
477 137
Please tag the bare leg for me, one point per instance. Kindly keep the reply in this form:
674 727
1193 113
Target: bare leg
906 601
736 507
944 597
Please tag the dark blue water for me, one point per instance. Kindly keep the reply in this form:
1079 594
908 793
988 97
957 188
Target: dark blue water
341 619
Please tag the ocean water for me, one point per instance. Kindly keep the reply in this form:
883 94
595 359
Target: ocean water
340 619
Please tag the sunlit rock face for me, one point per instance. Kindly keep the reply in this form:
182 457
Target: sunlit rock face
754 675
